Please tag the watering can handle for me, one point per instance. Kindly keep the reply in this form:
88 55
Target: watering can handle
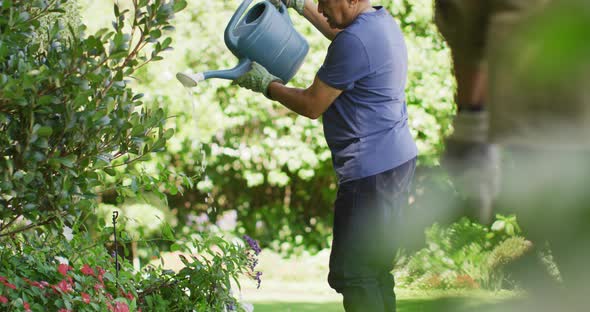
285 12
231 41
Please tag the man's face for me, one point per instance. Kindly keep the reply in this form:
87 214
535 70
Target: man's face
337 12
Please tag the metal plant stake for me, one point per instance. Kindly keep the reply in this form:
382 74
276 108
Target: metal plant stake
115 216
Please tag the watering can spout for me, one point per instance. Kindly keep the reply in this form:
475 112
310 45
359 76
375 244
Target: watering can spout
191 80
231 74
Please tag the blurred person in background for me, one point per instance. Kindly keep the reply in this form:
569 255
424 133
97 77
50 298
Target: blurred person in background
472 162
523 75
359 92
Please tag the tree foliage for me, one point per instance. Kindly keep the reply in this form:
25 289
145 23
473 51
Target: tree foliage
72 128
67 114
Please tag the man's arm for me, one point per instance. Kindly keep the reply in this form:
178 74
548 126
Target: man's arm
311 102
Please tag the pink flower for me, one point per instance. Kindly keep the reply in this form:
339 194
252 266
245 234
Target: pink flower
101 273
27 306
98 286
33 283
3 299
87 270
121 307
86 298
5 282
129 296
64 286
9 285
63 269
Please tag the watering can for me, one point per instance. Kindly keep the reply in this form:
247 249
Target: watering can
264 35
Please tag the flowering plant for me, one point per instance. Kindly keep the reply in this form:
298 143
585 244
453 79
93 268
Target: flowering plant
47 273
42 277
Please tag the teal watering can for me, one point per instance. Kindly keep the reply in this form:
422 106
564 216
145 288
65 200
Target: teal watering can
264 35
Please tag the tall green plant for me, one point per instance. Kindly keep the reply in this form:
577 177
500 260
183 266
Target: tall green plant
67 115
466 255
71 127
45 273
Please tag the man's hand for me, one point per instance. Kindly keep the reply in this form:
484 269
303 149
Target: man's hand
257 79
298 5
472 162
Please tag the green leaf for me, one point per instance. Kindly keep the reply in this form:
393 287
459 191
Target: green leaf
68 161
156 33
110 171
160 143
44 131
119 54
166 43
168 134
46 99
138 130
510 229
179 5
175 247
167 232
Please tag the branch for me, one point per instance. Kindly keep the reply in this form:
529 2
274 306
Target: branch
9 223
32 225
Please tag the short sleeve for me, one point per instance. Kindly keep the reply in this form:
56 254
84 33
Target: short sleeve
346 62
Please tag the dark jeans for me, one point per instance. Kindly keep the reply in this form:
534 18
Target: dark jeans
368 214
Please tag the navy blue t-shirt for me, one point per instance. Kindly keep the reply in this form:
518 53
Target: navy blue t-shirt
366 127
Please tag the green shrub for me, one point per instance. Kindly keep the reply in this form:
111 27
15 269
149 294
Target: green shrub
45 273
70 127
67 116
464 255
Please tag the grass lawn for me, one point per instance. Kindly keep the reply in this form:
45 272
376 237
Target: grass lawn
317 297
424 304
299 285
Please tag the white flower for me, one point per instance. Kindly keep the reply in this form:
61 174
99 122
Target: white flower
62 260
67 232
248 307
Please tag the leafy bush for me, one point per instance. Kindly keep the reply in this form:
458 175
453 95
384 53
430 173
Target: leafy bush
67 116
70 126
46 273
465 255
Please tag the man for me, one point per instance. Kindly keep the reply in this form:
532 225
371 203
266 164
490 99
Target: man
359 92
531 59
471 160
